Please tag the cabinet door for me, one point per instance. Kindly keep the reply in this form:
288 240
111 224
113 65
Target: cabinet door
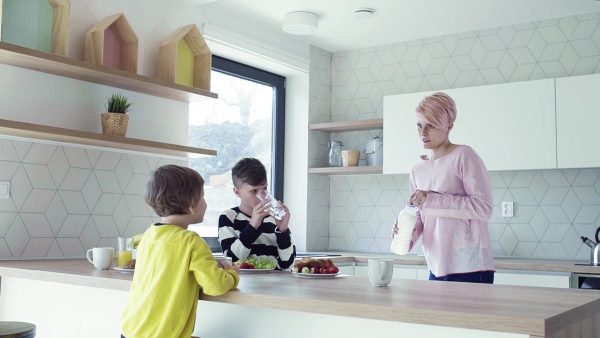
530 278
511 126
577 119
346 270
405 273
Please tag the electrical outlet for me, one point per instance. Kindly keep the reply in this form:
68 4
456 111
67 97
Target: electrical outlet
507 209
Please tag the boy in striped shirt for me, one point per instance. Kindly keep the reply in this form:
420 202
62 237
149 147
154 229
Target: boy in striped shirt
249 229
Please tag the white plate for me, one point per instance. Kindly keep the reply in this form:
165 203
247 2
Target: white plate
255 270
315 275
121 270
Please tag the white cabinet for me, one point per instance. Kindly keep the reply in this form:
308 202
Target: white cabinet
511 126
501 277
577 118
531 278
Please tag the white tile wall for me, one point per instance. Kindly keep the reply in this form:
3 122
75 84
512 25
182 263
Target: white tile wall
552 207
65 200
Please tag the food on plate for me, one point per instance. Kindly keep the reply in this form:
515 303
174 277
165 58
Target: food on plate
129 264
314 266
257 262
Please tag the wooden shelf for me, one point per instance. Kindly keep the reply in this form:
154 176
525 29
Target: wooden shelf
80 70
361 170
47 133
336 127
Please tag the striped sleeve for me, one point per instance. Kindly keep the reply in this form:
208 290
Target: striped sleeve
286 249
235 243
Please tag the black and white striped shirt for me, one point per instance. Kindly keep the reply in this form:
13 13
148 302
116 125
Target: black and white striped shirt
239 239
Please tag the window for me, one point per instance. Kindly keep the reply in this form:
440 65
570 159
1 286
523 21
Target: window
246 121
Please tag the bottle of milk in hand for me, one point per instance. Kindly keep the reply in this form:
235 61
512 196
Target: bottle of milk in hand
406 223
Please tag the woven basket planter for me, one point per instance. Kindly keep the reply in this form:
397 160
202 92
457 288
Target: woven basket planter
114 123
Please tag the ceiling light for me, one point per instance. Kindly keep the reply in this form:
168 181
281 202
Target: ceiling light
300 23
363 13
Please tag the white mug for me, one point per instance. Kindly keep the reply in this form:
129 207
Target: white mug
381 271
102 258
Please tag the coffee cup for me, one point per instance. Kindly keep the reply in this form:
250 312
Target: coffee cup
381 271
102 258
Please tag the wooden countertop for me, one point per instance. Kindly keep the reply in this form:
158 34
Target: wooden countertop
500 263
527 310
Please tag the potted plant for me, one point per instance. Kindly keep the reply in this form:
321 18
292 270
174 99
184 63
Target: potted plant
114 121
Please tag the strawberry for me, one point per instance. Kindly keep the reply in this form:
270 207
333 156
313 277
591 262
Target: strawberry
250 266
333 269
323 270
244 266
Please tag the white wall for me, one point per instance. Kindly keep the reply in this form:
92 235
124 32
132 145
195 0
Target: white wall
53 227
553 207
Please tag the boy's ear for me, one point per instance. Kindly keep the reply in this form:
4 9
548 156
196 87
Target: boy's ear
236 191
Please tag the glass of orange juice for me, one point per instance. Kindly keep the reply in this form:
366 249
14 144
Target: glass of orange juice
124 250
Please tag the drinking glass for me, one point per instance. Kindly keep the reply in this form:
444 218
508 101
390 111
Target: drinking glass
275 209
124 250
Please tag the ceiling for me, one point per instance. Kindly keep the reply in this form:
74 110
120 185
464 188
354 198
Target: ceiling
401 20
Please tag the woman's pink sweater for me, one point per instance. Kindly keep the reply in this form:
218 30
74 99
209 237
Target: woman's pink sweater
453 219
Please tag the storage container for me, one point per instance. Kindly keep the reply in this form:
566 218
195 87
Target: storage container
374 151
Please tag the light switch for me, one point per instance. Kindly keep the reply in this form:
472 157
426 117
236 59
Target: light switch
4 189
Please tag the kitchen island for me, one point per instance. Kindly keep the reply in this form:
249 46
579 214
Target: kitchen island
73 297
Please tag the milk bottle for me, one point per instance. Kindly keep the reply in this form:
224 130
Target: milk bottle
406 223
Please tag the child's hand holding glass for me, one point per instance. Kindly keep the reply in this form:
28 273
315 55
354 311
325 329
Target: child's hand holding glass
275 208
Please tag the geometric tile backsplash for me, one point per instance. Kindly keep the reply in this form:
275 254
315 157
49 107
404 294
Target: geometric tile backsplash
553 207
65 199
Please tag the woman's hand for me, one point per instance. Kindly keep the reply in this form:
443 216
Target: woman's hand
395 229
418 198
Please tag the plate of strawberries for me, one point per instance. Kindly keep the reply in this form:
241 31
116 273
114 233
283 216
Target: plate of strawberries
315 268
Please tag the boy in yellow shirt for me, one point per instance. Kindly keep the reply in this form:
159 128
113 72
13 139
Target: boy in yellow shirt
173 262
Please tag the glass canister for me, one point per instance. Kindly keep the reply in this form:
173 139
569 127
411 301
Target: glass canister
335 153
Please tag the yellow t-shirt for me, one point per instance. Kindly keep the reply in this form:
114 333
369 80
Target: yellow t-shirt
171 263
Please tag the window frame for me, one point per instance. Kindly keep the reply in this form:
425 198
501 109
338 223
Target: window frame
240 70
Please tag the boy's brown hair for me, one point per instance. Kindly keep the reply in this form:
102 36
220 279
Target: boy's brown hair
250 171
173 189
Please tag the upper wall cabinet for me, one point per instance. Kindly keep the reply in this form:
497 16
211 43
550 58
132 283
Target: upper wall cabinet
511 126
577 119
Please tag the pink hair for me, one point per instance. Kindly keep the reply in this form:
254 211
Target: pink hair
438 109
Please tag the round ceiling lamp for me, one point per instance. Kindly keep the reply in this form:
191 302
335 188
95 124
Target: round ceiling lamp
300 23
363 13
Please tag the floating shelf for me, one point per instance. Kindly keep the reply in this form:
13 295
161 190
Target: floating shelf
47 133
80 70
360 170
336 127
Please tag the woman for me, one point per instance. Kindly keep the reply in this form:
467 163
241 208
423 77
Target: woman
452 191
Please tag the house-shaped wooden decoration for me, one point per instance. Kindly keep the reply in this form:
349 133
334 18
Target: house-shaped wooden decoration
112 43
185 58
50 26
